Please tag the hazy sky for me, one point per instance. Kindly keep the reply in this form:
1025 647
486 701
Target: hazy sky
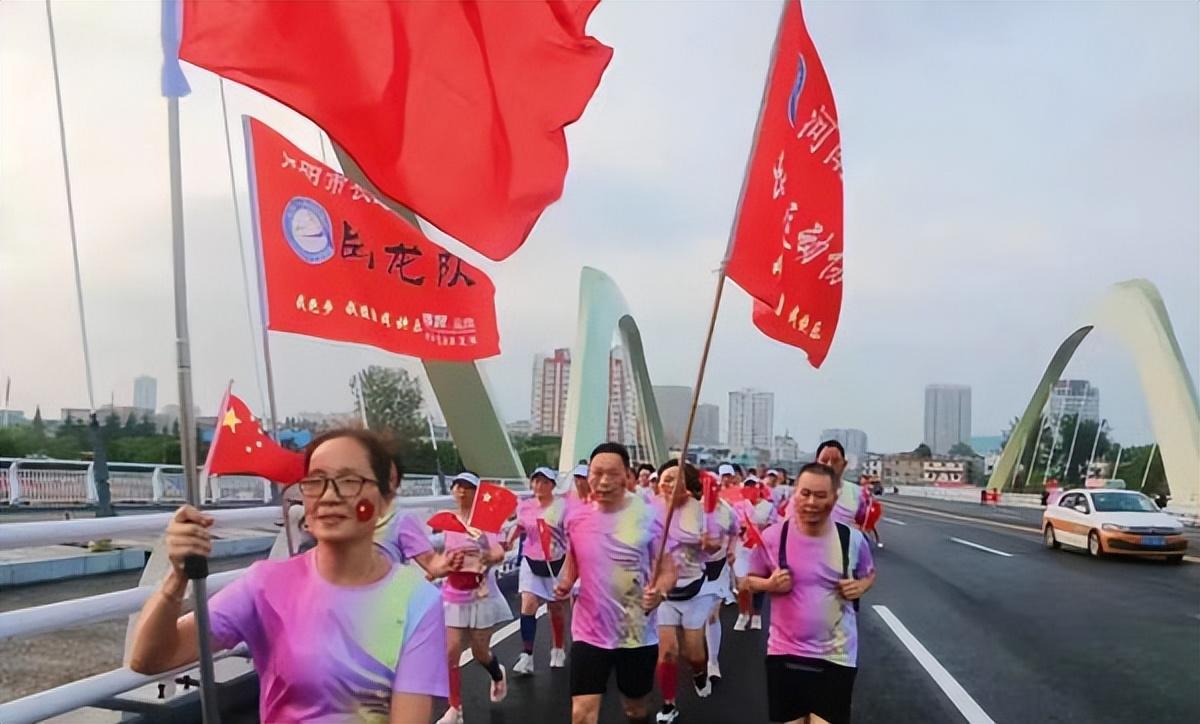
1005 162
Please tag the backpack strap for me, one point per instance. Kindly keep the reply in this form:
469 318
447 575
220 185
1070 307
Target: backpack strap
783 546
843 531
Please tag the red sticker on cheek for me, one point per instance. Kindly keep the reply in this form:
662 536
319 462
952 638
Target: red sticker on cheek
364 510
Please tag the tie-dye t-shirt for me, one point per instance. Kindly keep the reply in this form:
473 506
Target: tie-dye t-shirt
849 507
473 561
528 513
813 620
687 527
402 535
722 525
333 653
614 553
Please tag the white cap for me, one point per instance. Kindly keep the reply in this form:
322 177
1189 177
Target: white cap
750 479
581 471
654 476
545 472
775 473
726 469
469 478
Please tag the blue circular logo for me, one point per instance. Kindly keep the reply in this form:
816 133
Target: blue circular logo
308 230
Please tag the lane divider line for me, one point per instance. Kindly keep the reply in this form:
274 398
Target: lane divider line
982 548
895 521
505 631
968 707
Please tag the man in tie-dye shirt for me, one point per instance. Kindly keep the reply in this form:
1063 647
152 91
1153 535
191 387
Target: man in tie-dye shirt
614 540
814 569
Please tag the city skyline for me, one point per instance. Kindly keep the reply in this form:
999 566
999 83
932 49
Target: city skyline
947 416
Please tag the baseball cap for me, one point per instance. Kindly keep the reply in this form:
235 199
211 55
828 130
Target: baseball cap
469 478
775 473
725 469
545 472
581 471
750 480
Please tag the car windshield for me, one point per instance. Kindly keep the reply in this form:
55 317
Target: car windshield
1123 503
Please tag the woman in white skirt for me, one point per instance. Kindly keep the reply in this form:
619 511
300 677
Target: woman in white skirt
472 600
539 521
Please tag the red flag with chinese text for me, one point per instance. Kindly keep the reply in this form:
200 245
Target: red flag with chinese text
241 447
492 506
786 250
339 265
455 109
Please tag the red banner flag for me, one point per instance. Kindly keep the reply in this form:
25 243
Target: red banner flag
493 504
446 521
544 537
710 485
454 109
786 249
337 264
240 447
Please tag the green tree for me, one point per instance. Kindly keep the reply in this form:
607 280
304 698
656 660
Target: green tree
922 451
131 426
111 429
393 400
39 427
962 449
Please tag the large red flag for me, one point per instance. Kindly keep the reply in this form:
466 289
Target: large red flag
339 265
786 250
493 504
454 109
240 447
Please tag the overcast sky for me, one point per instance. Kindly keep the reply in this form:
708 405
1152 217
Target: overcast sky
1005 162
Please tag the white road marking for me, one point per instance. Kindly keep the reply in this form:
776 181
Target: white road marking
505 631
982 548
957 695
897 522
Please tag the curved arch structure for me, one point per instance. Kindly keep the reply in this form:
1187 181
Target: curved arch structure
1134 312
603 312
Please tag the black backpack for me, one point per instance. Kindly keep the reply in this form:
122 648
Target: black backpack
843 532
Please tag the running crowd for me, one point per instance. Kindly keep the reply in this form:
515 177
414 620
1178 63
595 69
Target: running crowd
641 560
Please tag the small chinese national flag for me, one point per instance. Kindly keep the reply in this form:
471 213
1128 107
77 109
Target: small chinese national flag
493 505
544 537
241 447
446 521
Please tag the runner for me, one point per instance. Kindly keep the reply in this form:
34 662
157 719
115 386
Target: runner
644 471
581 491
543 512
781 492
472 600
723 527
371 630
850 507
613 542
403 536
727 475
823 569
869 511
750 604
682 617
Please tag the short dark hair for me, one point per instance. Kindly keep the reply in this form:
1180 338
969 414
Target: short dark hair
820 469
645 466
739 469
379 456
829 443
611 447
691 477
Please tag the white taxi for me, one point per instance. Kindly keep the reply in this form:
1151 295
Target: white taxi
1117 522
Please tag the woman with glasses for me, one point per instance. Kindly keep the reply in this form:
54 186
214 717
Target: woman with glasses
339 633
472 600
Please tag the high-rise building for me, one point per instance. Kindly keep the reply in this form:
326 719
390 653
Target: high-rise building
751 419
785 449
707 429
854 441
674 402
1074 397
551 377
947 417
145 393
622 407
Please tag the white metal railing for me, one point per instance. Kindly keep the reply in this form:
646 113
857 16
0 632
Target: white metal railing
54 532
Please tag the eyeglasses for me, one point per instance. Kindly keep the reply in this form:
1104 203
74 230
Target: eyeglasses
347 486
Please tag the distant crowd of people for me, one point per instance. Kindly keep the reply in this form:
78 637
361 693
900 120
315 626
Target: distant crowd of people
640 558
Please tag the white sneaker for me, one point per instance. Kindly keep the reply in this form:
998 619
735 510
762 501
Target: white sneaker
558 658
524 664
500 688
756 622
714 669
453 715
667 717
742 621
706 691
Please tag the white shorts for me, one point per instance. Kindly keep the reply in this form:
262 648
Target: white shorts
540 586
720 587
481 614
690 614
741 560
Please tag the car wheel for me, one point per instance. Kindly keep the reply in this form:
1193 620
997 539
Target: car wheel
1095 549
1051 541
1175 560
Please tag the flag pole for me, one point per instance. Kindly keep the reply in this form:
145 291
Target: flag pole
195 567
437 460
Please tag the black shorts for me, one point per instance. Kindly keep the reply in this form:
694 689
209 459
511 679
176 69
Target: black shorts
798 686
591 665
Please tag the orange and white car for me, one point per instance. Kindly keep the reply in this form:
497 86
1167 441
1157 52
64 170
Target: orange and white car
1108 521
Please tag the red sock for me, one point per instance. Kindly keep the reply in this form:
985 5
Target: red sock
455 688
744 602
668 678
556 627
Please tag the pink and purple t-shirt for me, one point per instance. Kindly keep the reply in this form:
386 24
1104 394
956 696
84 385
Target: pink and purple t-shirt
474 547
333 653
529 512
813 620
402 536
614 553
723 524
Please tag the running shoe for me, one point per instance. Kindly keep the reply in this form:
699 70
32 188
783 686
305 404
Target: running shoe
558 658
453 715
714 673
500 688
742 621
706 691
524 664
756 622
668 715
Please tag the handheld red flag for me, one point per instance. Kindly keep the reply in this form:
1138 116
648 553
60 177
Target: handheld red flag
337 264
786 250
754 539
752 494
710 485
493 504
544 537
446 521
454 109
241 447
732 495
